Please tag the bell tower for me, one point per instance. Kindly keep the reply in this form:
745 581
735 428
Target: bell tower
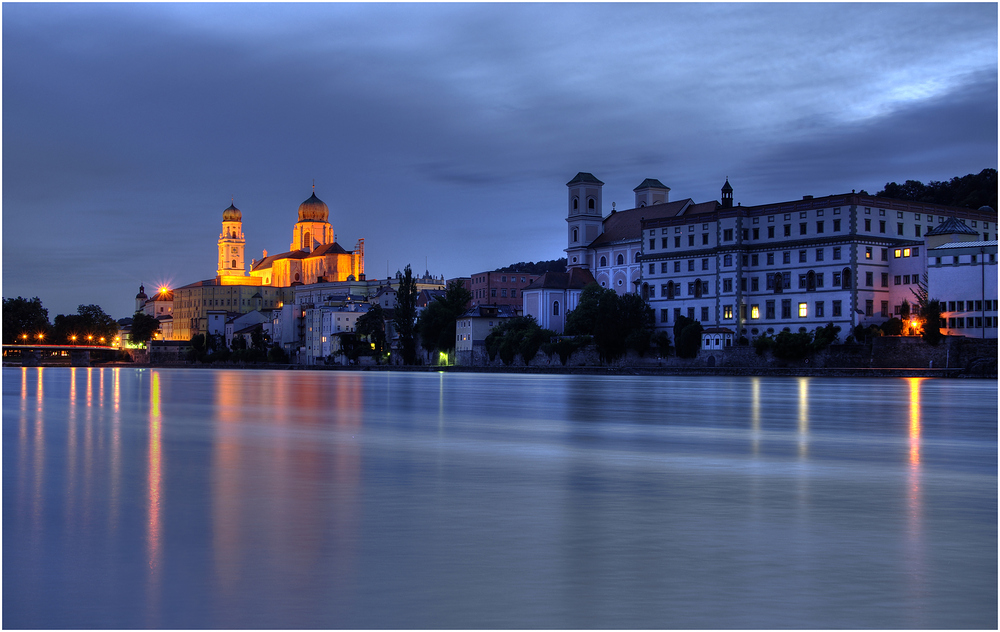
584 218
231 244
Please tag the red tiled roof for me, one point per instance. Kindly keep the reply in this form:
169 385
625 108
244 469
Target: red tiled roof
625 225
574 279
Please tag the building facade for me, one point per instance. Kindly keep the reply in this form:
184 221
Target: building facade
499 288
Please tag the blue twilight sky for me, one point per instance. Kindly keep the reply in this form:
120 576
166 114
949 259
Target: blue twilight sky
446 133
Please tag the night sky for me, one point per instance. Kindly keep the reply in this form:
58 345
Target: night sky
446 133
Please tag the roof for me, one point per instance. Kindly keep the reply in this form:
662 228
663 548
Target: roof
574 279
491 311
727 186
325 249
651 183
702 207
716 330
626 225
967 244
426 296
951 226
584 178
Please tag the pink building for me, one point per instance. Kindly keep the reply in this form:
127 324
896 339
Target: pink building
499 288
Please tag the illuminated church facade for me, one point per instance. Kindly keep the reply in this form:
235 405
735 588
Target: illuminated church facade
314 256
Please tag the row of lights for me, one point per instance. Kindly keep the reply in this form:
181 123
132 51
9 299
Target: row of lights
90 338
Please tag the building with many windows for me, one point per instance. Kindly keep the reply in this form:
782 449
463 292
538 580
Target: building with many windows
848 259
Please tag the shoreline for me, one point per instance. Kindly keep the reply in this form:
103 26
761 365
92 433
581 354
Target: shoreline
951 373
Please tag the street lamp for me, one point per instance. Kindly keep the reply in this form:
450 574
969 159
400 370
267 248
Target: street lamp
73 339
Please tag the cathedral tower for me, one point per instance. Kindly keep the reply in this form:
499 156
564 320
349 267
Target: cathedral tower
231 243
584 218
313 228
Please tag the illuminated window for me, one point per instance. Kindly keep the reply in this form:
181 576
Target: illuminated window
906 252
868 253
727 312
803 310
897 253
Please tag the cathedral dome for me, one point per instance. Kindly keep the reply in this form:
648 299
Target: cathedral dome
313 210
232 214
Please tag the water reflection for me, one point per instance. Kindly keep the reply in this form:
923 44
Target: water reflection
153 494
803 417
755 414
914 523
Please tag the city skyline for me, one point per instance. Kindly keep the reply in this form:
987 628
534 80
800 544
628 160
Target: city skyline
445 133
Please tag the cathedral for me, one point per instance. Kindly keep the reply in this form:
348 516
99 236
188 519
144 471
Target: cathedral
314 256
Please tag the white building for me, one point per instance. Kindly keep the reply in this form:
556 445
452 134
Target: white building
962 275
551 296
472 328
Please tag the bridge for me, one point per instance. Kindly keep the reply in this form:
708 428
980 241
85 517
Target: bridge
37 354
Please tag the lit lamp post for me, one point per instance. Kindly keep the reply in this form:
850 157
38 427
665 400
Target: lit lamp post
73 339
24 337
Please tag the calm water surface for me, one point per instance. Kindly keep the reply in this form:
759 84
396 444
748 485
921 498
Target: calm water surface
246 499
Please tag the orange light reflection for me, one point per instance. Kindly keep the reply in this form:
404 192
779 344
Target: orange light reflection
153 526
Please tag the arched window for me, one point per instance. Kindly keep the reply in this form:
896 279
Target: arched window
845 278
645 291
670 289
779 282
234 263
305 240
621 260
697 288
555 308
642 205
810 280
604 261
575 235
576 203
591 204
636 258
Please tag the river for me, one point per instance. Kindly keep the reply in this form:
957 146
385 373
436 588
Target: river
174 498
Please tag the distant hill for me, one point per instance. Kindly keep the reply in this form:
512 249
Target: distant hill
971 191
541 267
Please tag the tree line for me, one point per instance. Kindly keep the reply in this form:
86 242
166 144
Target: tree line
974 190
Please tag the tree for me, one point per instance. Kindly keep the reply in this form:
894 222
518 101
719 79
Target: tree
437 322
87 326
406 316
517 336
143 328
932 322
617 323
23 316
969 191
687 337
892 327
371 327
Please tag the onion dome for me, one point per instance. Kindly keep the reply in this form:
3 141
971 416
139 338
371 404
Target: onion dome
313 210
232 214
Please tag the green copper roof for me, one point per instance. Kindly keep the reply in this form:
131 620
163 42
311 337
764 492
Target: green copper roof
584 178
651 183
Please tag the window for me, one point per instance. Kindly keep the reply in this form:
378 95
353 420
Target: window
836 253
819 254
885 279
591 204
691 288
576 203
704 264
885 254
664 314
743 284
555 308
727 312
663 268
788 230
652 244
604 261
493 292
575 235
727 285
869 279
869 308
881 225
690 265
819 309
802 228
770 258
727 234
836 225
899 214
513 293
755 312
503 293
769 310
868 224
786 257
652 268
755 260
819 227
621 259
677 242
836 309
803 310
786 308
677 266
897 253
770 232
663 243
899 228
756 231
704 239
727 260
755 284
691 313
652 291
917 227
885 309
802 256
704 314
836 279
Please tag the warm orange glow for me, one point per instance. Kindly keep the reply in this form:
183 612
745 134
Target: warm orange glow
24 336
153 476
164 289
914 419
73 338
40 336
